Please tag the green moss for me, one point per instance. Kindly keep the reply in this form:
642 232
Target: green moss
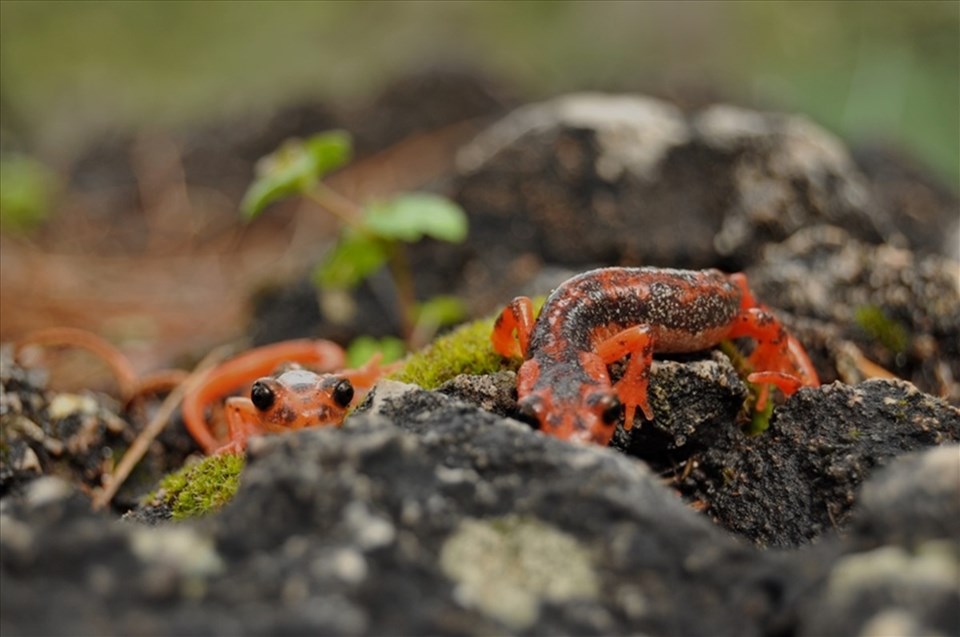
201 488
882 329
759 418
465 350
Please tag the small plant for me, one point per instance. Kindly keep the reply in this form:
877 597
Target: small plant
371 236
27 189
878 326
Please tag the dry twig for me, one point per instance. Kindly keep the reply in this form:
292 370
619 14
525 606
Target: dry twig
138 449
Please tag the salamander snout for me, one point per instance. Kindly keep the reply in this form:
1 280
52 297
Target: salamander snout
590 419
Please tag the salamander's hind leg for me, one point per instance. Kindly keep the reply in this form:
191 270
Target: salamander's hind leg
516 317
632 387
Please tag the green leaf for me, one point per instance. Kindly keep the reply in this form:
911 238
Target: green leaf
353 258
441 310
27 189
362 349
329 151
295 168
409 217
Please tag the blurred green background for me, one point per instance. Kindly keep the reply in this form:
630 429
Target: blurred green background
867 70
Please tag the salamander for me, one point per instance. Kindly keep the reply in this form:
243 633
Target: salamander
599 317
292 399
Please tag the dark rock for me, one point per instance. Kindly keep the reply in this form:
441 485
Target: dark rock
78 437
694 403
411 526
799 479
591 178
896 573
901 309
922 206
496 393
424 514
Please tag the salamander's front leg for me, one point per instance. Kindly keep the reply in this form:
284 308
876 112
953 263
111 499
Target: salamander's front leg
632 387
242 421
516 317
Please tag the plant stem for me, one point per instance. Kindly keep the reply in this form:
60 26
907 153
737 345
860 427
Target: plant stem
352 215
406 297
336 204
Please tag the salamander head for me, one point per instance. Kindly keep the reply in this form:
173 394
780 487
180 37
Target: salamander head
299 398
590 417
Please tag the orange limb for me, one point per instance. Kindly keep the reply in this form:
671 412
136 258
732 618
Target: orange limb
801 363
240 412
245 368
516 317
637 341
747 300
778 358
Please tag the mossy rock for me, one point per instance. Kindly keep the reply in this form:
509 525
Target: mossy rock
465 350
198 489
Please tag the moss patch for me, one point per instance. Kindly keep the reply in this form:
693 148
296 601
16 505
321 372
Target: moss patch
200 488
465 350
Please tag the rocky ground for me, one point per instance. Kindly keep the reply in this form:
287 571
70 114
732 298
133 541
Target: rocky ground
434 511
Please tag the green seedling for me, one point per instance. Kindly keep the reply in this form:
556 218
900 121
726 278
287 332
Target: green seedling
27 189
372 236
759 419
878 326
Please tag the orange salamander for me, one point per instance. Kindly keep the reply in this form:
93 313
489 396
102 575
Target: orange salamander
294 399
601 316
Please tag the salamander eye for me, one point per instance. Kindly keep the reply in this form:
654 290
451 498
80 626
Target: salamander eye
262 396
343 393
611 409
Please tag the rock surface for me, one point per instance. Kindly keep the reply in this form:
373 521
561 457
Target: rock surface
76 436
425 514
901 309
590 178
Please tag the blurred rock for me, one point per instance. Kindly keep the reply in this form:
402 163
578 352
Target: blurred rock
901 565
901 309
799 480
595 178
924 208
